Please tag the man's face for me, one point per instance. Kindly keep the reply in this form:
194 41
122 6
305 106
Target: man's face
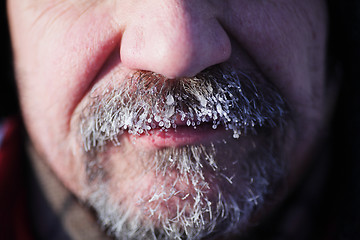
173 118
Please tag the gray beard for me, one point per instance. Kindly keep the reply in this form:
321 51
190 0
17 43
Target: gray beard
225 188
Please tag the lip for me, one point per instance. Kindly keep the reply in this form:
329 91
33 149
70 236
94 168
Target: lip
180 136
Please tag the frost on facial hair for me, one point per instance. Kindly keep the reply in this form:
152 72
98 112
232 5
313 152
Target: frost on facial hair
197 214
239 102
147 101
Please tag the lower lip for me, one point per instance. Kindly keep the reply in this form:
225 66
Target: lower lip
176 137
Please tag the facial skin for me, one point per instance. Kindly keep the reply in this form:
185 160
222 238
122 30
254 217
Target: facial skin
69 53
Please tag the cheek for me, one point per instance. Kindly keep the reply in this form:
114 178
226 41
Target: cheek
56 66
286 40
57 54
56 61
288 43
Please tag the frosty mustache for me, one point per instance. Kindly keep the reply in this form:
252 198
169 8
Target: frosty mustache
240 102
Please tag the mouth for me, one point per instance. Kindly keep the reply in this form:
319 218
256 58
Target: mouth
158 113
184 133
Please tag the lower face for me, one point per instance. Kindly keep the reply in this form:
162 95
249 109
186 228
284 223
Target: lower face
187 158
194 157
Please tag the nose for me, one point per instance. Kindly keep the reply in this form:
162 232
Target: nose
174 39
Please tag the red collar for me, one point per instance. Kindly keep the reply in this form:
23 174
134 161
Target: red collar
14 221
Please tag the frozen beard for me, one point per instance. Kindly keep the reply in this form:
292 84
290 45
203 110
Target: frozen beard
197 190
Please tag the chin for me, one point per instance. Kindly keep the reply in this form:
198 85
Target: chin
184 191
189 159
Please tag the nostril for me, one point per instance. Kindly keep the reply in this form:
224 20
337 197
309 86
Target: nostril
181 49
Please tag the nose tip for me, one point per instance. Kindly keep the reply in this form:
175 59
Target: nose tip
177 45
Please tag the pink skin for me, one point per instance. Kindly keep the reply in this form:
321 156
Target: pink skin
178 137
63 48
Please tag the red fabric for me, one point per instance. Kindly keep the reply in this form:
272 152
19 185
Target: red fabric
14 224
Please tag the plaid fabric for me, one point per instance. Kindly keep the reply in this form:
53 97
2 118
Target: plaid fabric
33 203
13 214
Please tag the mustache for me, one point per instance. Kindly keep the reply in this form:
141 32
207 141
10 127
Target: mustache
241 102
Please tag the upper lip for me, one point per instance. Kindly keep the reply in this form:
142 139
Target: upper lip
180 121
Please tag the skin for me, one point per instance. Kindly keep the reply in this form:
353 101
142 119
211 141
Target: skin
62 48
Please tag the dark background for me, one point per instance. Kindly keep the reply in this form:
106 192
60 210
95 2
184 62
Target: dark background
344 185
8 100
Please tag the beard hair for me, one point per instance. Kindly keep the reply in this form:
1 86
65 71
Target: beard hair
147 101
208 206
217 201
